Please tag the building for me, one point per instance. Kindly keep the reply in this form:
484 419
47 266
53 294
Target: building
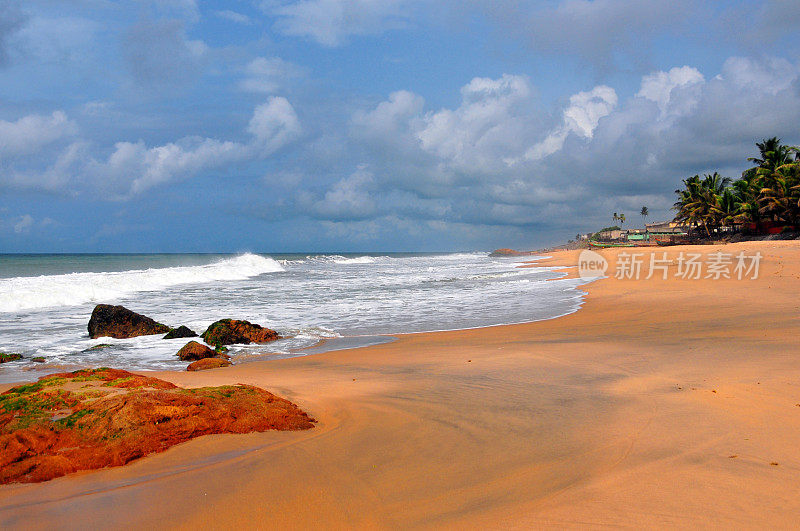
611 234
665 227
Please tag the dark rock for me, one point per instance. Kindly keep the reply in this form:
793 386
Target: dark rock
121 323
181 331
9 357
195 351
38 359
231 331
208 363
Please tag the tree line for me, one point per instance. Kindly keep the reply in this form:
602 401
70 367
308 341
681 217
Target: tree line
766 195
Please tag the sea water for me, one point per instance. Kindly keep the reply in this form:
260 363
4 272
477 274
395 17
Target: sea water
348 300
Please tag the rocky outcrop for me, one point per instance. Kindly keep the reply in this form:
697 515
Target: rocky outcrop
97 418
231 331
121 323
181 331
9 357
208 363
195 351
510 252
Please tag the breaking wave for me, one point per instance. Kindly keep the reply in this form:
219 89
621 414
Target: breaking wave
30 293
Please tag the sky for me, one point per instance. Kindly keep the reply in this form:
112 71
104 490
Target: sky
374 125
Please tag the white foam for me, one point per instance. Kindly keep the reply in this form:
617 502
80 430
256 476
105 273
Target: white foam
359 260
29 293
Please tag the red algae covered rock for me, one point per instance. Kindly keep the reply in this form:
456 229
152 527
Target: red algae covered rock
122 323
208 363
96 418
9 357
231 331
195 351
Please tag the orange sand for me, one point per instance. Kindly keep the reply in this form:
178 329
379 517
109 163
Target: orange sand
659 403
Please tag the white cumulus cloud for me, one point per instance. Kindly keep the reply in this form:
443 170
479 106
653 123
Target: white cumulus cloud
274 125
581 118
661 86
30 133
483 128
390 120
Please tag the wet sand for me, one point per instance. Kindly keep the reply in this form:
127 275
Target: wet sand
666 403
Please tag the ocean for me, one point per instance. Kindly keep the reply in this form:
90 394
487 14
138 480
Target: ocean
347 300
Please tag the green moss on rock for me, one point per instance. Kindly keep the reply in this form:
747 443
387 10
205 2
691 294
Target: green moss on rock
4 357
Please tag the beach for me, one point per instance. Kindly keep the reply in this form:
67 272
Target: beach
667 403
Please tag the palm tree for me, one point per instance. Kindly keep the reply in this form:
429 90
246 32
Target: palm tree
746 191
773 154
768 191
615 217
644 213
726 208
715 182
778 199
771 182
688 207
699 201
621 218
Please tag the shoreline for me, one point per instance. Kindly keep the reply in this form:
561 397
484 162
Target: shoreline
324 344
627 412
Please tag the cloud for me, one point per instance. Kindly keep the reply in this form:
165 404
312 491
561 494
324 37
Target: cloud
660 87
484 129
581 118
233 16
54 178
496 159
132 167
389 129
332 22
777 18
24 224
269 74
12 19
159 54
94 108
58 39
30 133
597 32
348 199
772 74
148 167
274 125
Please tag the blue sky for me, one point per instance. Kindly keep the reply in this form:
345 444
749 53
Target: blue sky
374 125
